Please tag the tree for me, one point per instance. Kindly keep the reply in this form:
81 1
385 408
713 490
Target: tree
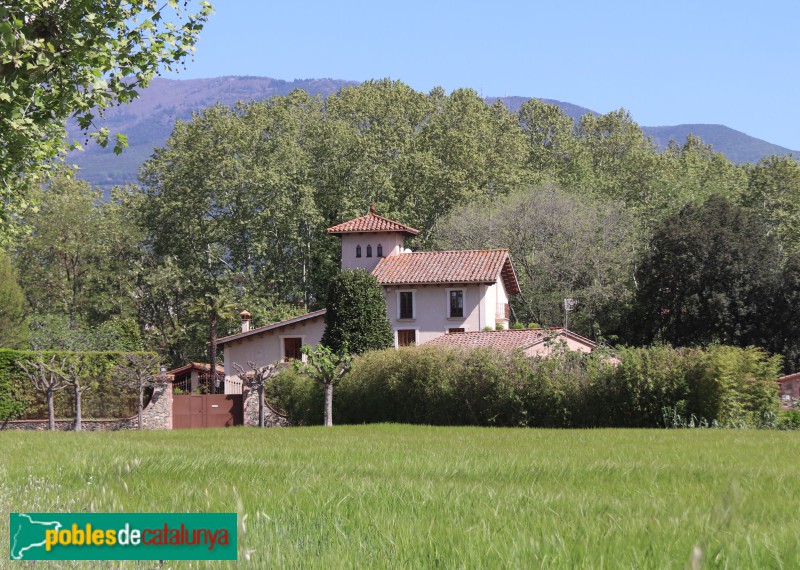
326 367
46 380
77 259
356 318
13 312
773 191
256 379
563 245
72 374
711 275
74 59
139 371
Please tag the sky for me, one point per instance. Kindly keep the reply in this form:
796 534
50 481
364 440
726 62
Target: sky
704 61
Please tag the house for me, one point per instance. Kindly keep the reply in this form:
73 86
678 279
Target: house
789 390
429 295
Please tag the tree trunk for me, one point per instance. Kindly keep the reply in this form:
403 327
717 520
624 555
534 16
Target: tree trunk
261 406
51 412
141 404
329 404
212 352
77 407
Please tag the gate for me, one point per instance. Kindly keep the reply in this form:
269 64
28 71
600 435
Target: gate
207 410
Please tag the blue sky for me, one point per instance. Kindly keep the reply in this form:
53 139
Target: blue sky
706 61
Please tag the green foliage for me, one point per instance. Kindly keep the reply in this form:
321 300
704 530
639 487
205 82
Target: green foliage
13 312
75 60
109 398
562 245
56 332
709 276
356 320
428 385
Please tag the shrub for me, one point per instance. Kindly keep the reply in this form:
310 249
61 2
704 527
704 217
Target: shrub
441 386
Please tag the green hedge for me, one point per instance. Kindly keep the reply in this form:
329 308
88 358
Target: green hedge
428 385
108 399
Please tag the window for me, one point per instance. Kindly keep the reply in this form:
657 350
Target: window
455 330
291 348
369 251
358 251
380 250
456 303
406 337
406 305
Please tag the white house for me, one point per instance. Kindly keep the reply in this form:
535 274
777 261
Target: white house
428 295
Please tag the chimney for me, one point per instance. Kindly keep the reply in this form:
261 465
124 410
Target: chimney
245 321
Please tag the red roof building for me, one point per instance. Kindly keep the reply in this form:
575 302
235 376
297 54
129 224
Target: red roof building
532 342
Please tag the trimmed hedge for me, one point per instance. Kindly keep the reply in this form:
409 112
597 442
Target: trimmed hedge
429 385
108 399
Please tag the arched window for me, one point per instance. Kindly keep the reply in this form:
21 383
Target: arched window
369 251
380 250
358 251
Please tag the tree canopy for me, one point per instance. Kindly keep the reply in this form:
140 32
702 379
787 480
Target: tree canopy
74 59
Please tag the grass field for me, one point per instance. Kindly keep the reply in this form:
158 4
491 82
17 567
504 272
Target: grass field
402 496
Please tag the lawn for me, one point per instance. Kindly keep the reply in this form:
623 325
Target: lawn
423 497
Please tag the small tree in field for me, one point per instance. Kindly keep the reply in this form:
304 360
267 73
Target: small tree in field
326 367
139 371
356 314
45 380
256 379
73 375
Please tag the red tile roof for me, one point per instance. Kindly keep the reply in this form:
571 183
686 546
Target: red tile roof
789 378
273 326
372 223
430 267
505 340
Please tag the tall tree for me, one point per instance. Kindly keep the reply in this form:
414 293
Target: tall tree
563 245
76 58
13 309
711 275
356 320
773 191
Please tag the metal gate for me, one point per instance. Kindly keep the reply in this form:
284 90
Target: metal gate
207 410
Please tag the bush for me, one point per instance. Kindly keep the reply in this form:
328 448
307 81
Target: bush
109 399
440 386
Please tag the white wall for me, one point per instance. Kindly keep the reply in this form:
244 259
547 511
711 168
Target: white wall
392 243
267 347
431 308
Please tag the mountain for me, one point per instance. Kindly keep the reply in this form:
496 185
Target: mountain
149 120
737 146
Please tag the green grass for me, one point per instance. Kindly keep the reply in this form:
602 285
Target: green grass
419 497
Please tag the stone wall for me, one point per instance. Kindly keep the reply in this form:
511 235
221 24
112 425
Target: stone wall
272 417
156 415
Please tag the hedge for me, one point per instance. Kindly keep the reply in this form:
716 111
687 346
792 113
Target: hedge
108 399
439 386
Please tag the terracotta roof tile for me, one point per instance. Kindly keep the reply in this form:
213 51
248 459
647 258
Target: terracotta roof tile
372 223
789 378
503 341
474 266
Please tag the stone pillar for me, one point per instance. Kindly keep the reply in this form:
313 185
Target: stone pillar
158 413
272 418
